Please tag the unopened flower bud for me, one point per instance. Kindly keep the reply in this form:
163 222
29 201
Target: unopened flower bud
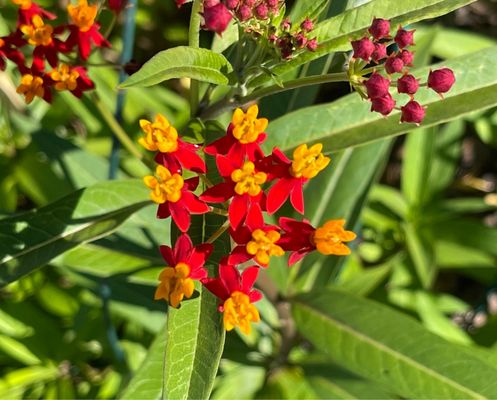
383 105
441 80
407 84
307 25
380 28
404 38
379 53
394 65
312 44
412 112
272 38
377 86
286 24
249 3
300 40
210 3
272 3
406 56
363 48
244 13
261 11
231 4
286 47
216 18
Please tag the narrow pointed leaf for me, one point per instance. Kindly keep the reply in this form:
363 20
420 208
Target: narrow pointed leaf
391 348
32 239
182 62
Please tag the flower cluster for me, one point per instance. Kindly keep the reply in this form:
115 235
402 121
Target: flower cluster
376 49
47 44
253 184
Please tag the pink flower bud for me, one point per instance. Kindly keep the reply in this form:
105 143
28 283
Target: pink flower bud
406 56
272 38
363 48
249 3
377 86
261 11
307 25
231 4
404 38
216 18
379 53
407 84
300 40
393 65
412 112
272 3
383 105
441 80
286 24
244 13
210 3
380 28
312 44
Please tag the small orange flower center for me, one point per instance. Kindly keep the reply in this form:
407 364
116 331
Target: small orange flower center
263 246
165 186
329 238
159 135
247 180
238 311
38 33
65 77
308 162
31 87
246 126
175 284
82 15
24 4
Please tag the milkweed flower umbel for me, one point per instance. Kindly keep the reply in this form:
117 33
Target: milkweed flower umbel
185 263
237 296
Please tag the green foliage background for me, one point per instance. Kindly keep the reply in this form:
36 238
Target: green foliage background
408 314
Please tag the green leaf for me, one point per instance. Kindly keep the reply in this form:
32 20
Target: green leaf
348 121
147 383
18 351
14 383
418 153
334 34
422 254
303 9
467 42
182 62
391 348
30 240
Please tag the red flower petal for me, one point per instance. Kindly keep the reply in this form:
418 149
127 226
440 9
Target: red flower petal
278 194
296 256
180 215
199 254
189 158
254 296
220 146
225 166
183 249
193 204
237 210
216 287
163 210
297 196
254 218
219 193
230 277
167 254
249 276
239 255
192 183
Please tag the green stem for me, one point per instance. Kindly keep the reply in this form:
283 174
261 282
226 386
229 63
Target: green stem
223 228
194 41
226 104
119 132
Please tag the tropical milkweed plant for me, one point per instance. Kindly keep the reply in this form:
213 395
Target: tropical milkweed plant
240 260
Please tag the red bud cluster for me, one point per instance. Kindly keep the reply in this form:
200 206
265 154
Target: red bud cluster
44 42
373 49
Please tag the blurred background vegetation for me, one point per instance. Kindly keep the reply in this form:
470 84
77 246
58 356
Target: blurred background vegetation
424 204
